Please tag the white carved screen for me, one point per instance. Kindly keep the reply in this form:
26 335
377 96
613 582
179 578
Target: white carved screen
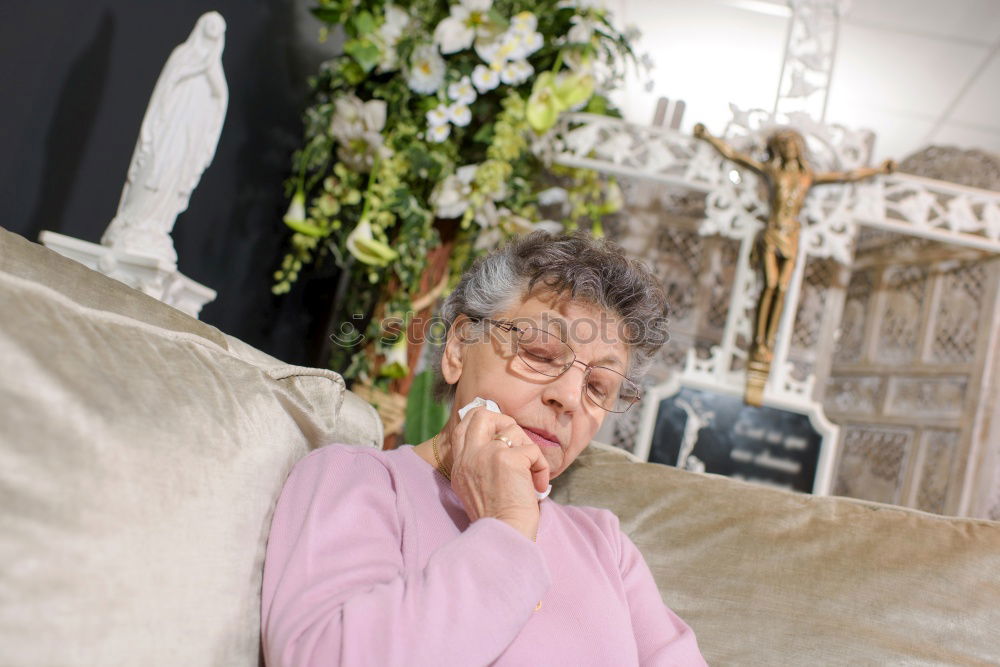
911 380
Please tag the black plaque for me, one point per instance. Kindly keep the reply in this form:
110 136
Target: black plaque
759 444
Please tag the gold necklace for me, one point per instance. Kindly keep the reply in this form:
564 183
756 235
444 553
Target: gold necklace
437 457
441 469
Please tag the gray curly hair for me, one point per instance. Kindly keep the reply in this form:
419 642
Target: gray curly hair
577 266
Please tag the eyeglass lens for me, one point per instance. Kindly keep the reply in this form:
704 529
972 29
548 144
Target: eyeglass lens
546 353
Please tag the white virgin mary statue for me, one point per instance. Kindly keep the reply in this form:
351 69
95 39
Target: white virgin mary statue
176 143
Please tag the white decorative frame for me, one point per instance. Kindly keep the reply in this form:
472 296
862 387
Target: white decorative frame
823 481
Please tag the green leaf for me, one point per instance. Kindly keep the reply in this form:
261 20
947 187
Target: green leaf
353 73
484 134
328 14
498 18
363 23
424 415
597 104
305 227
364 52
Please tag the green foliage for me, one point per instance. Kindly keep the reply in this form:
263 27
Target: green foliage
391 143
425 416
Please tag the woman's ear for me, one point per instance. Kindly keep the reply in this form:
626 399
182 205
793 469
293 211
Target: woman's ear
454 349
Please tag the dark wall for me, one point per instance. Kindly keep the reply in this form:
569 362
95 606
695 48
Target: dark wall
75 79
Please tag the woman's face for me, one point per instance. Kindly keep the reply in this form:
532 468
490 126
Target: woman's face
553 411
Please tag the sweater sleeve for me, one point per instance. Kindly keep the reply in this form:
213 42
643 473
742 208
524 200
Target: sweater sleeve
337 591
661 636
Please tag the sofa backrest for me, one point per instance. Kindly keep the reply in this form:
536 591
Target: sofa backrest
770 577
141 453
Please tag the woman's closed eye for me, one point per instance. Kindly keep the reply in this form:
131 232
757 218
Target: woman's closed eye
598 389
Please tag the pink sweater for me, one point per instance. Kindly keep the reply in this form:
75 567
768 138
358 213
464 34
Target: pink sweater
371 560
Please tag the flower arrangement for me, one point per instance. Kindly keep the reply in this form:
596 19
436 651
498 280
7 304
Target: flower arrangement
436 110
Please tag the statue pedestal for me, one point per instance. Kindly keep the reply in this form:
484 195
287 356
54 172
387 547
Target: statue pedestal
154 276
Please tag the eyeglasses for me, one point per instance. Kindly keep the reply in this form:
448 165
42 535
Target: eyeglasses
546 353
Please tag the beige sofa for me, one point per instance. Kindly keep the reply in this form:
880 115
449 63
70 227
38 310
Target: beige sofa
141 453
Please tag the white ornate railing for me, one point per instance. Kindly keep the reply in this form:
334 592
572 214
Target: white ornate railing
900 203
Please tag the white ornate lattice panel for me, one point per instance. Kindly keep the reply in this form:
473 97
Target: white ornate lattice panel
855 394
903 297
940 397
911 356
956 322
872 462
853 323
935 474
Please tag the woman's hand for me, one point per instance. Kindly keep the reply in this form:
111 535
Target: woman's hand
492 479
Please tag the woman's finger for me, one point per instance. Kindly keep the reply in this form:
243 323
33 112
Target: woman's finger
483 425
538 464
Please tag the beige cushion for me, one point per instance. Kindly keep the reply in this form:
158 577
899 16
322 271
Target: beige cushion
139 463
768 577
22 258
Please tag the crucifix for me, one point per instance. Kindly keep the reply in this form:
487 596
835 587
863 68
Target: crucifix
826 221
789 179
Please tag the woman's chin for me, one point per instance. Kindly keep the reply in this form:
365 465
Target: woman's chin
555 458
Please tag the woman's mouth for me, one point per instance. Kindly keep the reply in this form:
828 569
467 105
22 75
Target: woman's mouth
542 438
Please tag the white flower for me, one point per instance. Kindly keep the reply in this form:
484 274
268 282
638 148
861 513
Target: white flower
597 67
297 209
531 42
437 116
582 30
352 117
396 21
503 222
396 362
515 43
459 114
462 91
388 35
553 195
450 197
361 243
485 78
426 71
508 45
524 22
516 73
469 19
438 133
357 128
487 216
467 173
487 50
508 74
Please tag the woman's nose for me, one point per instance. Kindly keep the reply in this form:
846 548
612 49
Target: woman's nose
565 391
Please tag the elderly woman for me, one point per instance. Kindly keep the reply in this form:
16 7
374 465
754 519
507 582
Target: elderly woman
442 553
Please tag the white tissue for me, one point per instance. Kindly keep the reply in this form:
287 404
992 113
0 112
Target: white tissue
493 407
475 403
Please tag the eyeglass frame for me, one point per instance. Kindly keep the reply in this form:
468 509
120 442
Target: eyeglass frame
510 326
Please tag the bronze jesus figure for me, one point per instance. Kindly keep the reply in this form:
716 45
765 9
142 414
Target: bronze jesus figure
789 178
